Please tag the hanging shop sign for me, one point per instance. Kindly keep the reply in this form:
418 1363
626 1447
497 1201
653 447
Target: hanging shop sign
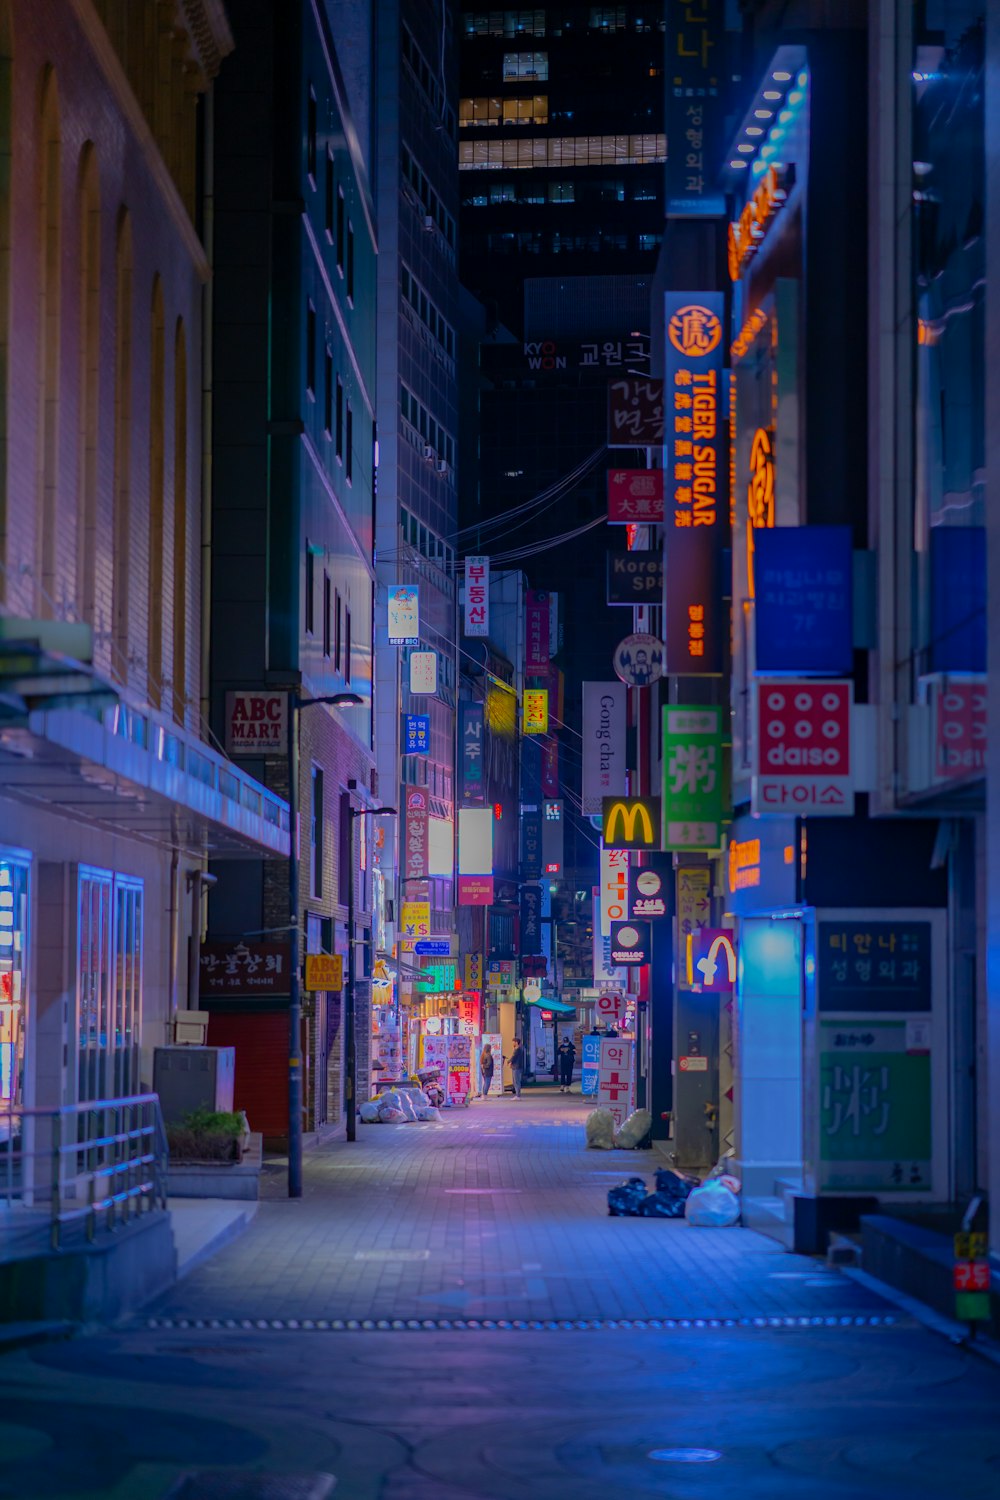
536 652
695 114
553 836
473 965
416 834
874 966
590 1064
616 1078
609 1007
535 711
802 748
614 888
631 822
475 890
531 843
960 728
477 596
256 723
243 970
630 943
324 971
760 497
803 614
604 769
415 919
694 442
635 414
550 767
423 672
605 973
418 734
475 840
471 731
638 660
711 959
692 777
635 577
635 495
744 238
649 889
695 628
531 919
404 614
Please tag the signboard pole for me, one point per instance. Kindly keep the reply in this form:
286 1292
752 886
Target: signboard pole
294 996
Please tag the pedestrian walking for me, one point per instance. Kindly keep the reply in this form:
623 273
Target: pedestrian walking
486 1069
567 1057
516 1061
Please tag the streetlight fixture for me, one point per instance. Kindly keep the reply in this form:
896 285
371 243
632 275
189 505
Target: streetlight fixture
295 705
350 1028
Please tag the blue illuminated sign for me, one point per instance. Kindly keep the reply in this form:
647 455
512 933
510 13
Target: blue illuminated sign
804 605
418 734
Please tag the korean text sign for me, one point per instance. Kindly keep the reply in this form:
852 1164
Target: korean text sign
241 969
471 746
423 672
418 734
635 413
802 748
537 642
803 613
695 37
404 614
635 496
614 889
417 834
536 711
477 596
874 966
614 1081
875 1107
692 777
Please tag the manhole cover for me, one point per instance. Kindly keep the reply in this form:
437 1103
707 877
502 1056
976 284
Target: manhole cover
216 1486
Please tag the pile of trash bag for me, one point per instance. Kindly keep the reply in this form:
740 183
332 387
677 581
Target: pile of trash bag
624 1200
634 1130
398 1106
631 1200
600 1130
712 1206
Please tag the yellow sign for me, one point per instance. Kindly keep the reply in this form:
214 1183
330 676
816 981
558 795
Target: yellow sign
536 711
416 919
694 330
694 907
631 822
473 971
721 951
324 971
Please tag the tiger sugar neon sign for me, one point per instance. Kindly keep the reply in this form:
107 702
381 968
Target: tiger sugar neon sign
744 237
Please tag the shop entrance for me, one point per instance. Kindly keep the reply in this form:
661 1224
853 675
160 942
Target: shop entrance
768 1038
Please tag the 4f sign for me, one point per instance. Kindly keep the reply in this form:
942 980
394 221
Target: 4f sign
631 822
803 748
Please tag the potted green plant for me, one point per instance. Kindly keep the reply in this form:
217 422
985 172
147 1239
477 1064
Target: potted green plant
207 1136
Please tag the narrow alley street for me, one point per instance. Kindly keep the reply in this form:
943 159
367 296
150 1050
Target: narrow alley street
449 1312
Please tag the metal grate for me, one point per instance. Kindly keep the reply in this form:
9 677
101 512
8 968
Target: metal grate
517 1325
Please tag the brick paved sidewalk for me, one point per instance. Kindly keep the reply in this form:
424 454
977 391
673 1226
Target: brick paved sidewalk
498 1212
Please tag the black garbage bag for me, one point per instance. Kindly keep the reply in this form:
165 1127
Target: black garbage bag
624 1200
661 1206
668 1183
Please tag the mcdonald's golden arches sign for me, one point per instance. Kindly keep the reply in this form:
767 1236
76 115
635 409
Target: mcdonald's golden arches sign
630 822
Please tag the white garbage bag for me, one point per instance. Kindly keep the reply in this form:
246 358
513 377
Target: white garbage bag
600 1130
369 1112
634 1129
712 1206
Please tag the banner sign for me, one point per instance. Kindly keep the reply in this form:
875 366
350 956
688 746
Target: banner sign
630 822
711 959
614 1080
875 1106
960 729
416 834
415 919
475 890
536 657
531 843
695 462
692 777
614 888
531 919
803 617
471 733
418 734
635 577
635 414
324 971
630 943
605 972
256 723
591 1064
603 743
404 614
695 108
536 711
550 768
635 495
423 672
802 748
473 971
244 970
694 627
477 596
649 889
552 836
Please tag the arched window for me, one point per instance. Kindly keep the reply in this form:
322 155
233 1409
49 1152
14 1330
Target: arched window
180 523
90 380
49 310
122 534
6 153
157 539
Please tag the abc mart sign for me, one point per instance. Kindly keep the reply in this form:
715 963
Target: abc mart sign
802 748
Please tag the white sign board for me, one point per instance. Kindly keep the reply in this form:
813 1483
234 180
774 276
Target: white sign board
423 671
609 1007
477 596
257 723
615 1078
603 743
614 889
404 613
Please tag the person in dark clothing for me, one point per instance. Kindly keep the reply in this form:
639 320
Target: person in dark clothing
567 1057
486 1069
516 1061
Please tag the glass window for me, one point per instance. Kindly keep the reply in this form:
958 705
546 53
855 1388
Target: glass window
316 834
128 986
525 65
109 978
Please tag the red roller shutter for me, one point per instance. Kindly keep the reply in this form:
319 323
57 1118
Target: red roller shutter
261 1084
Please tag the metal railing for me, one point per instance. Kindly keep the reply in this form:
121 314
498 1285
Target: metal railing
94 1165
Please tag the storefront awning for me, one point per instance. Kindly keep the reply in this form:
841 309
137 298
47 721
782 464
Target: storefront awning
559 1006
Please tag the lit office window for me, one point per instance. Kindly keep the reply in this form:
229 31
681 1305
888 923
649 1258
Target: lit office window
525 65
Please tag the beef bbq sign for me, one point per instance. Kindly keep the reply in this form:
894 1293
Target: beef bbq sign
257 723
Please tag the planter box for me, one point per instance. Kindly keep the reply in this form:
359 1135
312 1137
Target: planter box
218 1179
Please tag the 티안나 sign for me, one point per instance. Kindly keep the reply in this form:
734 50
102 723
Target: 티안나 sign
692 777
631 822
635 414
803 613
638 660
635 495
802 748
477 596
635 577
874 966
256 723
404 614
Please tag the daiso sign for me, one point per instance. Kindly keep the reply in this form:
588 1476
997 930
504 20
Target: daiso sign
257 723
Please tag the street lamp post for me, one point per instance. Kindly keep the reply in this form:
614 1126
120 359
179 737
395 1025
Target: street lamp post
350 1015
295 705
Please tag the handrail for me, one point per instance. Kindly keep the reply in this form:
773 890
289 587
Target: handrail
74 1162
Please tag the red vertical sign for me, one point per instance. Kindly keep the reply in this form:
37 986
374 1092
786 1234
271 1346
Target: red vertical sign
416 834
537 647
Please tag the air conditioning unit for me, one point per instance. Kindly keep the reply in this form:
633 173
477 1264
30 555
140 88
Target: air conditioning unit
430 453
429 222
441 467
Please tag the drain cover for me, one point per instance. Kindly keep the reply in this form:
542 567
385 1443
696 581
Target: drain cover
221 1486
